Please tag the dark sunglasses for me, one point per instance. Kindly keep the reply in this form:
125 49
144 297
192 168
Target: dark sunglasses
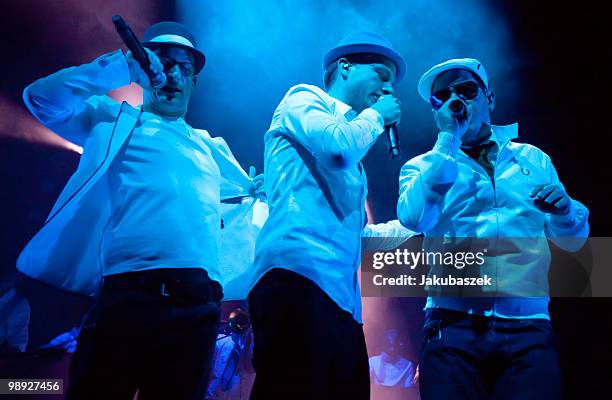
187 69
466 91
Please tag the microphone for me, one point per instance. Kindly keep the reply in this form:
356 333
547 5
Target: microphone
391 131
138 51
458 109
392 136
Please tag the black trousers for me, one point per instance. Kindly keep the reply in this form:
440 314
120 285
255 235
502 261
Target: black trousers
475 357
306 347
140 338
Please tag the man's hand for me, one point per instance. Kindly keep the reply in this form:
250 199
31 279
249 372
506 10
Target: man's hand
447 121
389 107
257 186
415 378
551 199
137 75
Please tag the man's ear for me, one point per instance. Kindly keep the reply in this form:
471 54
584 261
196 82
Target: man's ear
343 67
491 100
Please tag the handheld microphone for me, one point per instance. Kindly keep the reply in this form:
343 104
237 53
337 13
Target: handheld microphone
138 51
394 146
392 136
458 109
457 106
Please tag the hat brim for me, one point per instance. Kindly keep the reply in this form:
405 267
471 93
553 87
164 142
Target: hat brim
342 51
427 80
199 57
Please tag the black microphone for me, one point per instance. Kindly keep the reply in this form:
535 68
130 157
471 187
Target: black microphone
394 145
138 51
392 136
458 109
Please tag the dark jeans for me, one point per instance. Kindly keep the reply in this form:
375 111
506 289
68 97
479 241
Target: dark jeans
137 338
306 347
475 357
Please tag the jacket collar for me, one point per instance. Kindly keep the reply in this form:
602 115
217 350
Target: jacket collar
502 134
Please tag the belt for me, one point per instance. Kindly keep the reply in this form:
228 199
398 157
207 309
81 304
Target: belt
190 284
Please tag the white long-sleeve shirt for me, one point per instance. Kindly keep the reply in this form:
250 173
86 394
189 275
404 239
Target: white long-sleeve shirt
316 189
164 190
446 194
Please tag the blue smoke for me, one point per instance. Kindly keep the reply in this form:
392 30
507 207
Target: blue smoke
257 50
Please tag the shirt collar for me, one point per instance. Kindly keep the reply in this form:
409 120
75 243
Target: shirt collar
151 115
344 109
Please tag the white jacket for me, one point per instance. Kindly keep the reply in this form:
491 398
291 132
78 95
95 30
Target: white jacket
446 194
64 253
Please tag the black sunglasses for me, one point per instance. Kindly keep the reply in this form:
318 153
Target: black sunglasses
466 91
187 69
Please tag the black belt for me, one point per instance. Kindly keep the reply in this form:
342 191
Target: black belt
189 284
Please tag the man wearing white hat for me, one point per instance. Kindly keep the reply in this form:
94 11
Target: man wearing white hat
476 183
306 305
138 223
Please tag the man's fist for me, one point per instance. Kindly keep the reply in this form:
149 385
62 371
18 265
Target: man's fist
257 190
389 107
551 199
137 75
448 121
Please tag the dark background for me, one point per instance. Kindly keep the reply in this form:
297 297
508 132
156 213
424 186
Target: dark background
548 63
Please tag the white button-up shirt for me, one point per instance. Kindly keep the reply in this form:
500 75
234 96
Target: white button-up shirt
316 189
164 190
